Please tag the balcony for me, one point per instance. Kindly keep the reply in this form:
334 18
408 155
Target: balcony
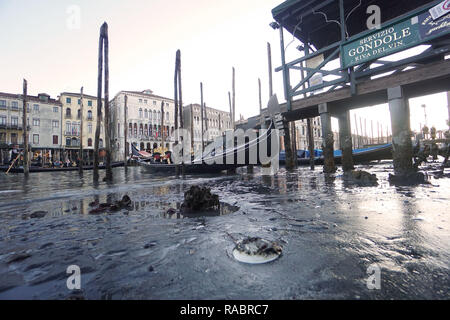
72 134
9 126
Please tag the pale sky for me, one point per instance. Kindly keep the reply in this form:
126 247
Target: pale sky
213 35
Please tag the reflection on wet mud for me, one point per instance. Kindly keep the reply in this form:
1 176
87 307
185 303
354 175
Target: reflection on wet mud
331 232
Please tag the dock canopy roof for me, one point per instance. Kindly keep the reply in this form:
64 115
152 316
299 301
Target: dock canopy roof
309 17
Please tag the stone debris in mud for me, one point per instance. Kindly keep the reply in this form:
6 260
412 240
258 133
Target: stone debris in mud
34 215
118 205
255 250
413 178
361 177
200 198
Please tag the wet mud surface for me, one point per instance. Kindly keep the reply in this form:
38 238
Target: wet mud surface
331 231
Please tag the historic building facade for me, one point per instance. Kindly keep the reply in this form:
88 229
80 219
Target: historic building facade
302 133
144 122
43 124
71 123
216 122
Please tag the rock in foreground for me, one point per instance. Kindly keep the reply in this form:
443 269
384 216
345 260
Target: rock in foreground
200 198
361 177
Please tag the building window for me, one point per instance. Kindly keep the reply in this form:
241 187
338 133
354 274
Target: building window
35 108
55 124
2 104
89 103
146 113
89 142
14 121
90 127
140 100
79 102
55 139
68 100
145 101
89 116
79 114
36 122
68 112
100 143
14 105
35 139
55 109
2 120
140 113
14 138
68 128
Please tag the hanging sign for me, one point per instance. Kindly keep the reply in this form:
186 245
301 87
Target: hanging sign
394 38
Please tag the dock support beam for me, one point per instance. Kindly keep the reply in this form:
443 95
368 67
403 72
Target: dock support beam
290 160
401 132
345 139
328 139
310 143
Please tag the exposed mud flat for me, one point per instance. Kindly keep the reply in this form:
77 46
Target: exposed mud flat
331 231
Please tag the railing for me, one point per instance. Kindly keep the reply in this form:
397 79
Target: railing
12 126
73 134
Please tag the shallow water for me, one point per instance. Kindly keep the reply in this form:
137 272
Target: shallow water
330 231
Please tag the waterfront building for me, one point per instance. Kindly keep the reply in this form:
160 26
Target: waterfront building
145 129
302 133
216 123
43 124
71 123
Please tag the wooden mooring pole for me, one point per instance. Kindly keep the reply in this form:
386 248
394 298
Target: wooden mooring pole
80 167
125 111
201 115
234 99
109 174
26 165
269 58
99 105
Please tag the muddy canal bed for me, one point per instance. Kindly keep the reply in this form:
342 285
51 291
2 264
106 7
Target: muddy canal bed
331 232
